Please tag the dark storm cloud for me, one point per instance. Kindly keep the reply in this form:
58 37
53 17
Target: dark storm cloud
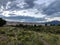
54 15
13 6
30 3
26 18
4 2
52 8
1 16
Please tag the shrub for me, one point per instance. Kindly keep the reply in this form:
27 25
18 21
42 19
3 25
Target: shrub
2 22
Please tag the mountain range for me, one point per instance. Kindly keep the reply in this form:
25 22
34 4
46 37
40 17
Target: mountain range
55 22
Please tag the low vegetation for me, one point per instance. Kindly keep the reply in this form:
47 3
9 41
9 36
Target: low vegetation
29 35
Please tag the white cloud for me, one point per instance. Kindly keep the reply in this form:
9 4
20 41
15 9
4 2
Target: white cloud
1 9
29 12
8 5
21 3
53 18
47 2
5 13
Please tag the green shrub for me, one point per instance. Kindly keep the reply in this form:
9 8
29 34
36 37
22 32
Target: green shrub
2 22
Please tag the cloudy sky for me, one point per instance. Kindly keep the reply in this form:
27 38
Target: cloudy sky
30 10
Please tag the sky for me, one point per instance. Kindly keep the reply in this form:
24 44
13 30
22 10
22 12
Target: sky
30 10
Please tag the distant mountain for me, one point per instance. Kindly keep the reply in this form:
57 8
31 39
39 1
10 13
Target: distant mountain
55 22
